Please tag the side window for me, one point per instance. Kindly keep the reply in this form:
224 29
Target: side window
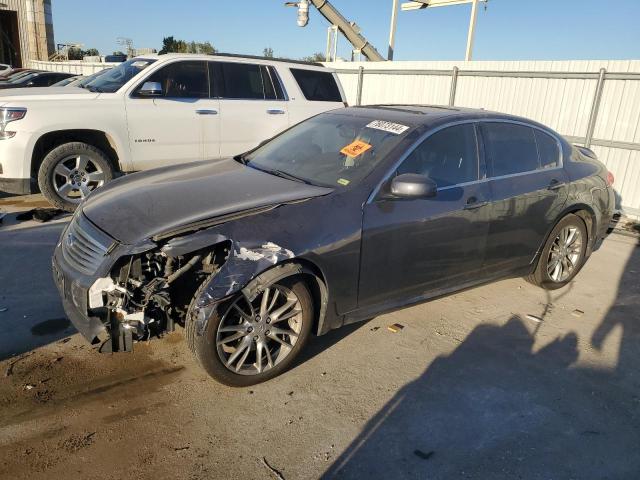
448 157
240 81
547 149
510 148
317 86
41 81
182 80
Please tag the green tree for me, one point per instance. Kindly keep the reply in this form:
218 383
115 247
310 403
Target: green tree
173 45
316 57
78 54
268 52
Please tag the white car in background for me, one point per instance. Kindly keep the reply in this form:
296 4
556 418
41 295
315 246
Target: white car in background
149 112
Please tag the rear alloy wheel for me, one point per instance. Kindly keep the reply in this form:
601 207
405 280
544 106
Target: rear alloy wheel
563 255
250 341
70 172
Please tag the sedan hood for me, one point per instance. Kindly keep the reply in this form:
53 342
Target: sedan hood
142 205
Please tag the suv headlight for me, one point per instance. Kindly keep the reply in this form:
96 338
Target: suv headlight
8 115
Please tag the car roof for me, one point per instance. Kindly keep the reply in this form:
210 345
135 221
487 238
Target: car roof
240 58
429 115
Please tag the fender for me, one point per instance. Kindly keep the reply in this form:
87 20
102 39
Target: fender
567 210
248 271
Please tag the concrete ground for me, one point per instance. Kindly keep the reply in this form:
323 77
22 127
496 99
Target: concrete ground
503 381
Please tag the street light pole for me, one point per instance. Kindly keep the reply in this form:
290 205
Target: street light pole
392 30
472 30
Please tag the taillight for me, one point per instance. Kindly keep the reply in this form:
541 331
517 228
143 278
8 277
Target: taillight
610 179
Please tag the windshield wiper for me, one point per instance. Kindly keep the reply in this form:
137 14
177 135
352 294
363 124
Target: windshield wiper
241 159
288 176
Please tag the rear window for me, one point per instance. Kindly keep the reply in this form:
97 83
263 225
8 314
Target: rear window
510 148
547 149
317 86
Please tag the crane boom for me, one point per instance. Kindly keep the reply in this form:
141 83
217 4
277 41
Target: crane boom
352 34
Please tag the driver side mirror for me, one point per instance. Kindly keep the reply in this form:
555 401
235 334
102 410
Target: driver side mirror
151 89
413 185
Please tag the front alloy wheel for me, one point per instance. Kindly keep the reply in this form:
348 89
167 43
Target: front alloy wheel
255 336
75 176
251 340
71 171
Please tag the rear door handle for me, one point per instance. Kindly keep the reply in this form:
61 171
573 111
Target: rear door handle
473 203
207 112
275 111
555 185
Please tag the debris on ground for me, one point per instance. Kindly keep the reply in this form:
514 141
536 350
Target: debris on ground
375 329
179 449
275 472
577 313
423 455
41 215
77 442
29 386
534 318
395 328
9 371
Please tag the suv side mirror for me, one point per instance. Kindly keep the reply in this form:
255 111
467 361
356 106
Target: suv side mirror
413 185
151 89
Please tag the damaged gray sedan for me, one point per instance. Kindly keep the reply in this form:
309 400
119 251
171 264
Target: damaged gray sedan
345 216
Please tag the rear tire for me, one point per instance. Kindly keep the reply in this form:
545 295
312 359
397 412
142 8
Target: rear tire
229 348
71 171
563 255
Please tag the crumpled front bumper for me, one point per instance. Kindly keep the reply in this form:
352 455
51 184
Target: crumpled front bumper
74 292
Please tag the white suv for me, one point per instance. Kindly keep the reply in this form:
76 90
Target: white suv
149 112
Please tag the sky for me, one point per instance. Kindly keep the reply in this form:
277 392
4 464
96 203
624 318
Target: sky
506 30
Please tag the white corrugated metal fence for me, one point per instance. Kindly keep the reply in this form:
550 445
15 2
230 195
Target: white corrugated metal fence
560 94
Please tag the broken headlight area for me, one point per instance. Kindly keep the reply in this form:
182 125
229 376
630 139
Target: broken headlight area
147 294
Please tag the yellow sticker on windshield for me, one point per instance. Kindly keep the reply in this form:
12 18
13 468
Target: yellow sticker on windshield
343 181
356 148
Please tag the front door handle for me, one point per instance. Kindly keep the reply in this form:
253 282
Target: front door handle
275 111
206 112
555 184
473 203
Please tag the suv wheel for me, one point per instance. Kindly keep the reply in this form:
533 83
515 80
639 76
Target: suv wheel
563 255
250 341
71 171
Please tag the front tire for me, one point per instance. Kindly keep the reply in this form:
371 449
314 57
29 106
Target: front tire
563 255
249 342
71 171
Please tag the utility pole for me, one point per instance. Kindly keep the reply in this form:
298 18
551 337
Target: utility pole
472 30
392 30
420 4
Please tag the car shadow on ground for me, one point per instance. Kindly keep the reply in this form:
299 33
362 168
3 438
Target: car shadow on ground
498 408
31 313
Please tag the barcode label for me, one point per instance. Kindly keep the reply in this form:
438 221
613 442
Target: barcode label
388 126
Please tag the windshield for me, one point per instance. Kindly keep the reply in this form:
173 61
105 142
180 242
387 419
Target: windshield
331 150
82 81
114 79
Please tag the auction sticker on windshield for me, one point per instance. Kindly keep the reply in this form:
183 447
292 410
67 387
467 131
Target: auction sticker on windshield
356 148
390 127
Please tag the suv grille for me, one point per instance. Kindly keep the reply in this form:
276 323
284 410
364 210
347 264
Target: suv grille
84 246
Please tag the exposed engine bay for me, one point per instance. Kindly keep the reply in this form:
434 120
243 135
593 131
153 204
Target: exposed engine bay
148 294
